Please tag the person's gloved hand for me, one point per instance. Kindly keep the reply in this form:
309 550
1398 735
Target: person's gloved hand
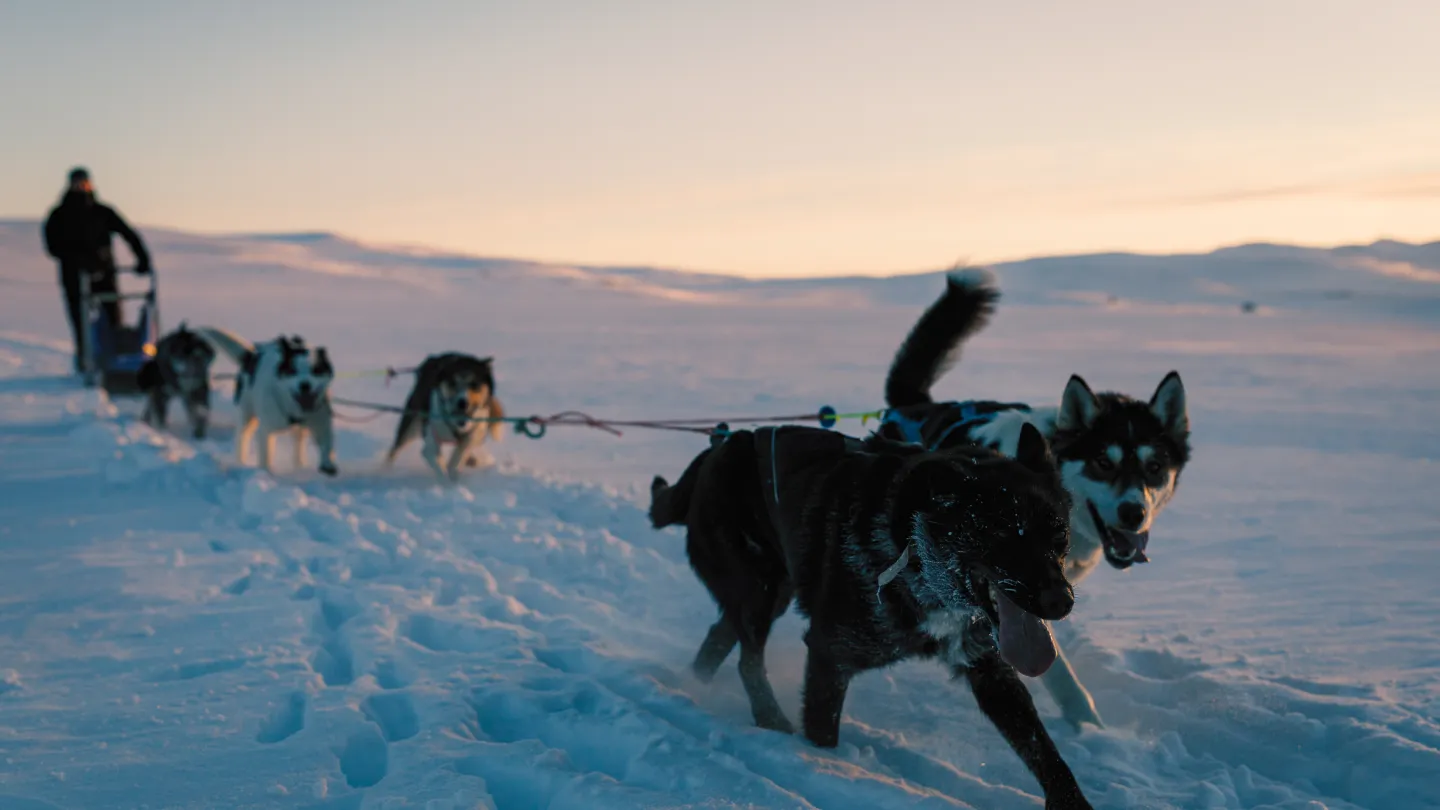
143 268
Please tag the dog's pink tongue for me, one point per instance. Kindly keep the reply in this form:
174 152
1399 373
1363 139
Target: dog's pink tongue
1025 641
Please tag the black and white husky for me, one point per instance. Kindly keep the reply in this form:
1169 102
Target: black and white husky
453 402
180 370
1119 458
891 552
283 386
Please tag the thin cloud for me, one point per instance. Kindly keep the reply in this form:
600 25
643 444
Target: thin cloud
1414 185
1421 185
1235 195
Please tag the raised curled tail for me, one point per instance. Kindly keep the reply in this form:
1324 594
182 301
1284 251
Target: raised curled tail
229 343
933 344
670 504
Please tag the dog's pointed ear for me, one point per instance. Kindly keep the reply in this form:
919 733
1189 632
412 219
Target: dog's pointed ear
1033 451
1078 405
184 328
485 361
322 362
1168 405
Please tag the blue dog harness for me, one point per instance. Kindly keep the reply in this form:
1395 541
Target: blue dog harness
972 414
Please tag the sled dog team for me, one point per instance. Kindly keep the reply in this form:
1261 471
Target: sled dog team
954 532
283 386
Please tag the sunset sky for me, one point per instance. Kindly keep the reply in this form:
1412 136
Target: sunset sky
762 138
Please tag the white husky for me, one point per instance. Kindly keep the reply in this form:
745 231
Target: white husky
282 386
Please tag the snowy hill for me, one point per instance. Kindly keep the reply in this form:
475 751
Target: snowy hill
179 632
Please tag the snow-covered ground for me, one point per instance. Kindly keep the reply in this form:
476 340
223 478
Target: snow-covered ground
179 632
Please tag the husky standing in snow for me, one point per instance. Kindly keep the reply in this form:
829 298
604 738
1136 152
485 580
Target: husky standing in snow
282 386
453 401
180 370
1120 458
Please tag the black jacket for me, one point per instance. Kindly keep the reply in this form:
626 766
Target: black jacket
78 233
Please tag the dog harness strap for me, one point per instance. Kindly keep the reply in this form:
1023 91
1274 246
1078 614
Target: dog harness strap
939 440
972 414
909 428
969 417
889 574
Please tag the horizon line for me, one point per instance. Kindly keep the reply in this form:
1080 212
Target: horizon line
299 235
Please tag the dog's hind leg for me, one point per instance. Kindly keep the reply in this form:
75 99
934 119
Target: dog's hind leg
409 428
1004 699
753 629
1075 703
714 649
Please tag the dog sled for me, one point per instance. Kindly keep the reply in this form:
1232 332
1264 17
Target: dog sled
112 354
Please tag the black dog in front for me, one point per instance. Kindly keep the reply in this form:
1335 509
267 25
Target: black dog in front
892 552
180 369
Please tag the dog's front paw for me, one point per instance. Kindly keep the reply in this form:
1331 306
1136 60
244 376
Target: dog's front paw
1079 716
329 469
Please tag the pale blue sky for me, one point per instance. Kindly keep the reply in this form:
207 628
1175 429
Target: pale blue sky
786 138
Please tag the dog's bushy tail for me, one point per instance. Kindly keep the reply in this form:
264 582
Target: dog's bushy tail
670 504
229 343
933 344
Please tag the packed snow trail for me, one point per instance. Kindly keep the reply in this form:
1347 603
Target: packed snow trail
190 634
179 632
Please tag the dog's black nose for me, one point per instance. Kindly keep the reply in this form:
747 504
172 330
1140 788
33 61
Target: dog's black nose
1056 602
304 387
462 404
1132 515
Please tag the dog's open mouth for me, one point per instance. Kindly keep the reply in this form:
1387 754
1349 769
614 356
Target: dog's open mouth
307 401
1023 638
1122 549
